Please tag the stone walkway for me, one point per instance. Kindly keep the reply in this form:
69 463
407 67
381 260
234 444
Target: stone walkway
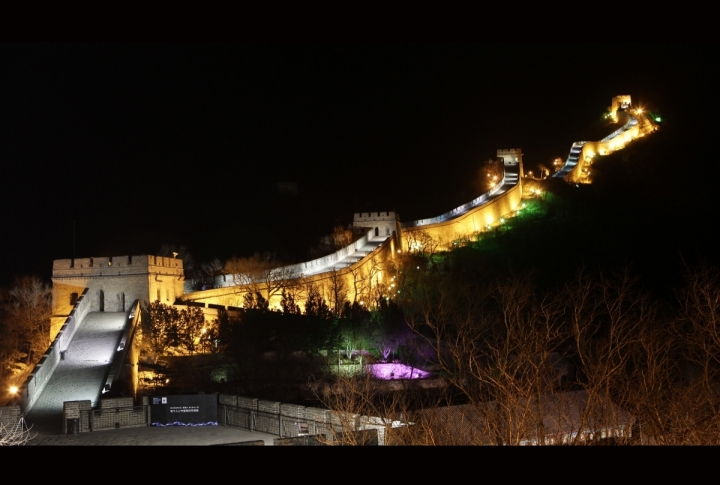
81 375
372 244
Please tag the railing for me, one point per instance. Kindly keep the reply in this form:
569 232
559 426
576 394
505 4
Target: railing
117 368
290 420
275 423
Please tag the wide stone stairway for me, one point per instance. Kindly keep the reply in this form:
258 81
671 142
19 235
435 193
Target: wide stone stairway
81 374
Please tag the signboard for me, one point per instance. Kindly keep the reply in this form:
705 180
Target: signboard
185 410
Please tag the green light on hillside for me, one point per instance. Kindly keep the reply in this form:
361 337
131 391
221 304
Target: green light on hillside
658 119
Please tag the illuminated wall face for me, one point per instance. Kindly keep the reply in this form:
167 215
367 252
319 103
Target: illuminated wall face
581 172
475 220
357 281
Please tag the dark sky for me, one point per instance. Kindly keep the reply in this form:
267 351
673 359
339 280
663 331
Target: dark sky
140 145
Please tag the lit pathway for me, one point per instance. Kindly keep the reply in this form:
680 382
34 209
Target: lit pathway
82 374
370 246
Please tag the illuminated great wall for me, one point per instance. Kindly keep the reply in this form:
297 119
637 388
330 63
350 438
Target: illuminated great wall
367 259
365 269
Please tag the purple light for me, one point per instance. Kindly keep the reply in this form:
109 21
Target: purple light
396 371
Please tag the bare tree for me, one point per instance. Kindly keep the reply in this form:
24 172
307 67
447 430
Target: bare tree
422 243
213 268
28 306
17 434
362 413
263 274
337 290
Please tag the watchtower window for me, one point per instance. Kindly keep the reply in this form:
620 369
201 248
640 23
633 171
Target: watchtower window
377 231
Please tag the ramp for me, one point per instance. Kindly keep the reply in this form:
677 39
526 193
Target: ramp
80 374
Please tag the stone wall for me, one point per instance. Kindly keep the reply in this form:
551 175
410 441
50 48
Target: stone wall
375 267
76 413
637 126
473 217
10 416
113 413
120 413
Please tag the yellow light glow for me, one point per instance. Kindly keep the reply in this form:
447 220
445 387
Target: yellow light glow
13 389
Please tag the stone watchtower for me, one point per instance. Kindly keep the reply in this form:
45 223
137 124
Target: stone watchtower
512 160
619 103
385 223
113 283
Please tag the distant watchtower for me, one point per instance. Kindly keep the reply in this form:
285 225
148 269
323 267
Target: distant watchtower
113 283
512 160
385 223
619 103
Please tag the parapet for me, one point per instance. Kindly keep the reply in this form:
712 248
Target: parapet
510 156
113 265
375 216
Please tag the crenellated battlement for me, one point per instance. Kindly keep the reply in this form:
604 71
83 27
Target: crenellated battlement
385 223
114 265
510 156
375 216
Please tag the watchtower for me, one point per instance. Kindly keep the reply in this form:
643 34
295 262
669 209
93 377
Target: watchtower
384 223
619 102
113 283
512 160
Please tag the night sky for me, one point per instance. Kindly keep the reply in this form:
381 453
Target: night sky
140 145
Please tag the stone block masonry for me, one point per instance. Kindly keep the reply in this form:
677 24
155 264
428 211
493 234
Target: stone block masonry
113 283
